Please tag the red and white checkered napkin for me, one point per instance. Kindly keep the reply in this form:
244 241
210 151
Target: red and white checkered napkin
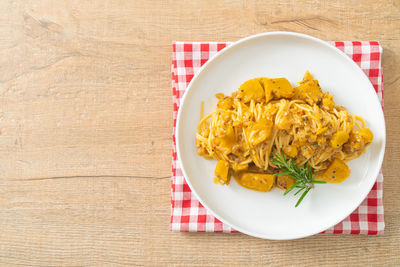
188 215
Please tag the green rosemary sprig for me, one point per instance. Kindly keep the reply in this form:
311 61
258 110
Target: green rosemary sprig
304 176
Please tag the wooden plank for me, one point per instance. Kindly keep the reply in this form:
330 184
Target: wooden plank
86 123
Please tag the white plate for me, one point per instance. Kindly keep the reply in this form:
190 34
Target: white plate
280 54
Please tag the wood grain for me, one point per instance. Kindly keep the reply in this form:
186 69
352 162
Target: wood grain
86 122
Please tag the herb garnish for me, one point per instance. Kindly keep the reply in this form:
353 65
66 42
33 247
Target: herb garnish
304 176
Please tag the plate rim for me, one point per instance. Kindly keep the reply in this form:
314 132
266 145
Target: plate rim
225 50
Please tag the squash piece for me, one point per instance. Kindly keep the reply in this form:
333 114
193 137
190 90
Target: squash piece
365 134
221 171
267 90
307 77
290 151
226 142
284 182
339 138
337 172
327 101
259 131
280 87
239 167
360 138
309 91
256 181
225 103
251 89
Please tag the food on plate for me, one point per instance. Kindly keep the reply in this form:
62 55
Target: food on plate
270 134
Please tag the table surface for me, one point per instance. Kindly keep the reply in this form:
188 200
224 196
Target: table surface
86 123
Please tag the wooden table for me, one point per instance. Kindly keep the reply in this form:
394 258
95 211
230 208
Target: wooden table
86 123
